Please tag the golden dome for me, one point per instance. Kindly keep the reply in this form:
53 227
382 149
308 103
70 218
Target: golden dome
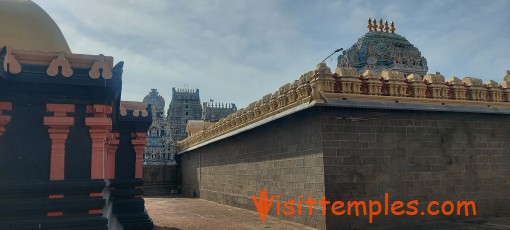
25 25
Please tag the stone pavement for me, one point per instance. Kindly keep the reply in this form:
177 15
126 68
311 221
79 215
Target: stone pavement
176 213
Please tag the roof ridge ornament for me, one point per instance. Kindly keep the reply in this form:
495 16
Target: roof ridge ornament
11 65
60 61
101 68
382 27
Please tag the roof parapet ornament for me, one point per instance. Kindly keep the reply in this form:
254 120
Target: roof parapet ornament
11 64
60 64
101 68
382 27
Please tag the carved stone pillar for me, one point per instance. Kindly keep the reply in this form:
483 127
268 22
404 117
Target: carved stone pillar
494 92
348 81
394 83
416 86
139 145
458 91
273 104
475 89
292 96
4 119
283 95
372 83
99 125
436 86
59 125
112 149
505 86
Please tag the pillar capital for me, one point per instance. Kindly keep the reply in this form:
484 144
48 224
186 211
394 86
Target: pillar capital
99 110
58 130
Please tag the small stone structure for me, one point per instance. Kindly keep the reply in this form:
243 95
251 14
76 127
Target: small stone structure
213 112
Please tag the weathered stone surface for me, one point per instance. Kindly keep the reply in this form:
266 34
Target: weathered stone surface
283 157
360 154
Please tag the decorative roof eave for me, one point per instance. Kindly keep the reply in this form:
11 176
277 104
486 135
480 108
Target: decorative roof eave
133 117
386 90
133 114
14 60
133 108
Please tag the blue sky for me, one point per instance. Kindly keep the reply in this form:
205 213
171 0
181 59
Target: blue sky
238 51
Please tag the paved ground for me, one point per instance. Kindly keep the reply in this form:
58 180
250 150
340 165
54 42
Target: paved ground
176 213
190 213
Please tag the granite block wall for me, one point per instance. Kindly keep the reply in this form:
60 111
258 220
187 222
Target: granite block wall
360 154
160 179
416 155
284 157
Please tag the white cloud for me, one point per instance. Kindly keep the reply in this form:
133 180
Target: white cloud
238 51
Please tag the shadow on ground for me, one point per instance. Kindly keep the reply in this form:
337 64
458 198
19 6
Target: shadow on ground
165 228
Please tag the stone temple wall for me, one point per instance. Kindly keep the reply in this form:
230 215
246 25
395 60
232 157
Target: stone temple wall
288 162
160 179
359 154
412 137
415 155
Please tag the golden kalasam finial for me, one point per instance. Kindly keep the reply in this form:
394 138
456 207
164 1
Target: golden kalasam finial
381 25
392 27
386 28
369 24
375 24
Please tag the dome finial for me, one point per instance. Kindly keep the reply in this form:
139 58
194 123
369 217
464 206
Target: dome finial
369 24
381 25
375 24
386 28
392 27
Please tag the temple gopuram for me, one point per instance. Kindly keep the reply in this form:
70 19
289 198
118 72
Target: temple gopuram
379 127
70 149
185 116
159 148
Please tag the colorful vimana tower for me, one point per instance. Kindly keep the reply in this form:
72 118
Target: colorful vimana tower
382 49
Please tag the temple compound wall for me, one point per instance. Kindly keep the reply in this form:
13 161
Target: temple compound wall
352 137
